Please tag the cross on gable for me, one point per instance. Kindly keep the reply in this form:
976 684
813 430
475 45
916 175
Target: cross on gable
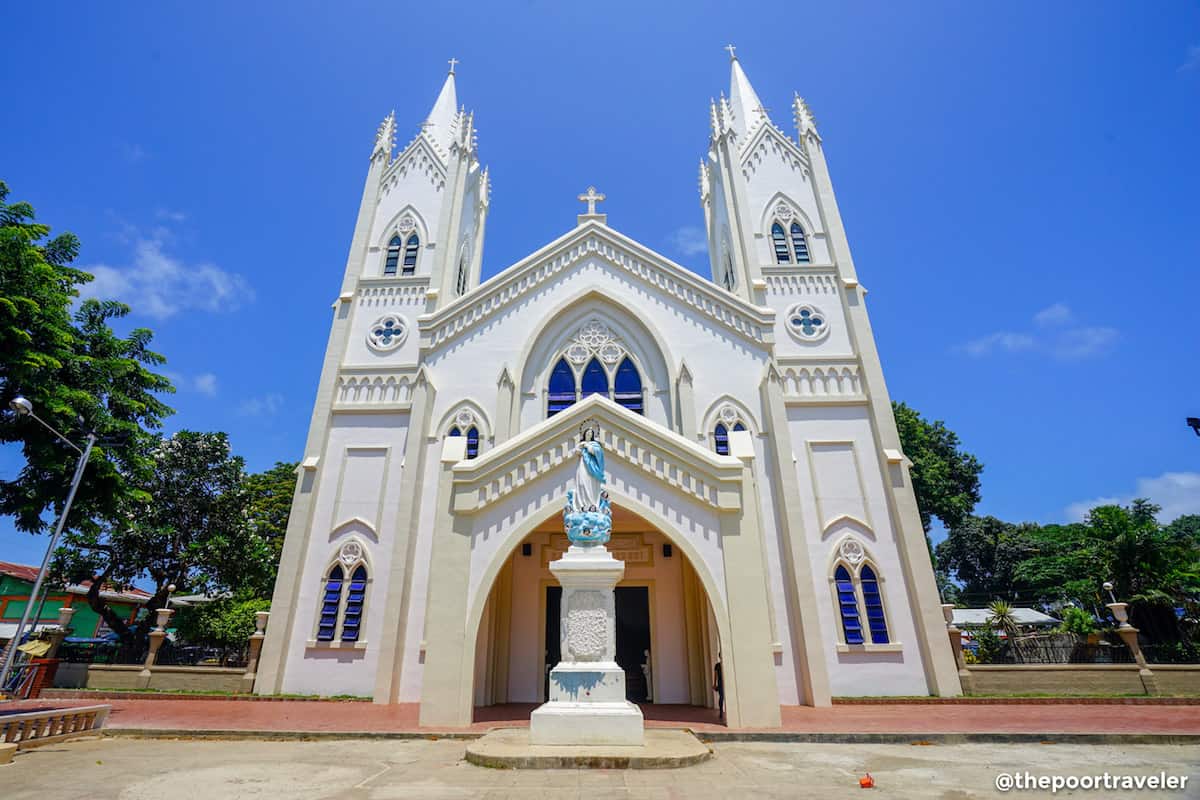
452 62
591 197
731 48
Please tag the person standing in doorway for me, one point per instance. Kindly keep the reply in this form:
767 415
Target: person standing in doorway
719 685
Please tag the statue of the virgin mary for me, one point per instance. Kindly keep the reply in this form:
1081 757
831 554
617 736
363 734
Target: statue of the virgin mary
588 514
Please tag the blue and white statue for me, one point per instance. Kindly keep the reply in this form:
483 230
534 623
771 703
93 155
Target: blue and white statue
588 514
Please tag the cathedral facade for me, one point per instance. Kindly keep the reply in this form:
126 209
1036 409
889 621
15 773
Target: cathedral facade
761 502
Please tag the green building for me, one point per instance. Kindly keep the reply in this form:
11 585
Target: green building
16 581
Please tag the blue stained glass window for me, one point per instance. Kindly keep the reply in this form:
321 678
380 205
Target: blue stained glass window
472 442
848 605
562 388
330 603
779 240
799 243
455 431
354 605
595 379
721 439
737 426
393 256
873 600
410 254
628 387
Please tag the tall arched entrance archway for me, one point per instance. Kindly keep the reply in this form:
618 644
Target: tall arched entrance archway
667 632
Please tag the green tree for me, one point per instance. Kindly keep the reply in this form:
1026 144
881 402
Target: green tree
269 503
1076 620
982 554
79 375
187 527
945 477
226 622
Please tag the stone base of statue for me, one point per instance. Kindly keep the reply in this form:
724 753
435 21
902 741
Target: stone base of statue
587 703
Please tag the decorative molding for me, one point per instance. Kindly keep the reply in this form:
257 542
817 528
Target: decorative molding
408 290
592 240
594 338
359 389
627 437
821 380
769 140
801 279
419 157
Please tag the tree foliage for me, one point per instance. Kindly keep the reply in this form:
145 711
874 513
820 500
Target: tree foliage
187 527
226 623
79 374
945 477
269 503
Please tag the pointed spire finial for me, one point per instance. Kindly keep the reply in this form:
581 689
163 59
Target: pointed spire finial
385 137
805 121
732 54
452 62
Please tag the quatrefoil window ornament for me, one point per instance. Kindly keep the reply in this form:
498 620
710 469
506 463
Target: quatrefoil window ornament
783 211
852 551
387 333
808 323
350 552
406 223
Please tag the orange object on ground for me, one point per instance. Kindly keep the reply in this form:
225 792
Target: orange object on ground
867 783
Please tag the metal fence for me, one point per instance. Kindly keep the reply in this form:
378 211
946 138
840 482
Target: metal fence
1058 651
1172 653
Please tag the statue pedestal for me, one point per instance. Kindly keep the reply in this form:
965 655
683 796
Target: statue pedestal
587 688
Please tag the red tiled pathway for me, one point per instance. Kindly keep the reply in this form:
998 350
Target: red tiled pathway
927 718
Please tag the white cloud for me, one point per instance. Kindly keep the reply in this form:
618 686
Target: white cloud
1057 314
265 406
1177 492
1001 340
689 240
206 383
1060 336
1192 60
160 285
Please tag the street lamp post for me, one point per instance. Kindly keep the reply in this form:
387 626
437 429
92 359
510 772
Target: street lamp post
24 408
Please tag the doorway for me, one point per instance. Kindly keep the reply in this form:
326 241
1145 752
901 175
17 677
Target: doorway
633 637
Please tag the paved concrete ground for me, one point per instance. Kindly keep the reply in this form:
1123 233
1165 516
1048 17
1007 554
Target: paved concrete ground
175 714
151 769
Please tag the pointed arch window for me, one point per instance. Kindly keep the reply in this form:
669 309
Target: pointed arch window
628 387
462 276
562 388
331 603
799 244
873 600
393 256
721 436
356 596
472 439
595 379
848 606
411 248
729 279
780 243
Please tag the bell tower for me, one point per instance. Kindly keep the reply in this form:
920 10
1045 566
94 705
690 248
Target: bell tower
423 210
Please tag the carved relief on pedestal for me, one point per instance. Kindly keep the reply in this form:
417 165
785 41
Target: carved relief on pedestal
586 626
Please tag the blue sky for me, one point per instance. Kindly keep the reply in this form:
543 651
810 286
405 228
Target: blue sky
1019 183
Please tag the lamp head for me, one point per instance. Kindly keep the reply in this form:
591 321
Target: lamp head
1108 587
1194 424
21 405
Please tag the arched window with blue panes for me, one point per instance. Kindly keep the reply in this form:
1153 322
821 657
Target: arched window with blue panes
411 248
356 595
780 243
628 387
392 263
472 439
799 244
848 606
721 437
562 394
873 601
331 604
595 380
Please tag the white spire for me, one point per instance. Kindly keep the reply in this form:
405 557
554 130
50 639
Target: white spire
748 110
385 137
440 122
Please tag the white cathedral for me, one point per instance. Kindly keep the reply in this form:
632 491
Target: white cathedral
761 503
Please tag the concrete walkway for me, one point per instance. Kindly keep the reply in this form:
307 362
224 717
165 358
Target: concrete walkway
141 769
349 717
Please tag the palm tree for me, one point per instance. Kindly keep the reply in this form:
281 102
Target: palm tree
1000 615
